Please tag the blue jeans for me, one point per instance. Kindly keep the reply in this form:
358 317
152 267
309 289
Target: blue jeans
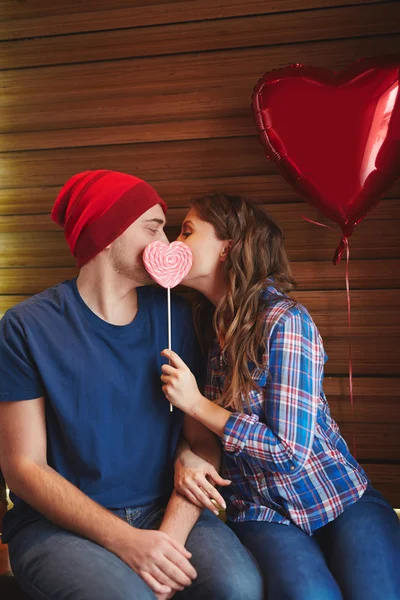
50 563
355 557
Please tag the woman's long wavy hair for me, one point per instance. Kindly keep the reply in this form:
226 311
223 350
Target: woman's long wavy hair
257 254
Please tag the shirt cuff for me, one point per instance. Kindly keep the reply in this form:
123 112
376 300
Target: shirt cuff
236 432
21 394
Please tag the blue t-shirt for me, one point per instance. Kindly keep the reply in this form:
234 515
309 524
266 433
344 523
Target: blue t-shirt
110 431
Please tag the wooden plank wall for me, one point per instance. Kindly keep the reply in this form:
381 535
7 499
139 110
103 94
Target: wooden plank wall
162 90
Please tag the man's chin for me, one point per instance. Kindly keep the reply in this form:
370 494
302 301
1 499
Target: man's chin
149 282
143 278
139 276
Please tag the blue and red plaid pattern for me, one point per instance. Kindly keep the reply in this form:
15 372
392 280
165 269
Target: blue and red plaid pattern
284 453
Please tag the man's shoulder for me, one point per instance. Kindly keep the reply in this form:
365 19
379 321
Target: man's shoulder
40 304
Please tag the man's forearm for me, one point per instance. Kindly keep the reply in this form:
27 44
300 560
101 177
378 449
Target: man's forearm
66 506
181 514
180 517
209 450
207 447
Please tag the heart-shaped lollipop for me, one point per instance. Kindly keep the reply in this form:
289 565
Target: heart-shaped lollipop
167 263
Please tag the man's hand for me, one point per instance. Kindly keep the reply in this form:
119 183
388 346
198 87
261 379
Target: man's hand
162 562
195 479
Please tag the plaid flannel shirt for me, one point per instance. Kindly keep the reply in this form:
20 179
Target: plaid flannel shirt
284 453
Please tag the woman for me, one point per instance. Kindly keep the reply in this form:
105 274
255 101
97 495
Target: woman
298 499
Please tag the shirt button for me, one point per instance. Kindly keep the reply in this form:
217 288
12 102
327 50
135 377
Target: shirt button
292 468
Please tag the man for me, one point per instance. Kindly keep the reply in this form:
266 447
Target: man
3 498
87 440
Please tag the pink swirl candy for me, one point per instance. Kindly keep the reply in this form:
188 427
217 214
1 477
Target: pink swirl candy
167 263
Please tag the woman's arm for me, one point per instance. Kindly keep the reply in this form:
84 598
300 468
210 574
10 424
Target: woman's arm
197 466
180 387
292 391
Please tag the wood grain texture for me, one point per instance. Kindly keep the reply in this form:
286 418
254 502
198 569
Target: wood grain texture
271 190
185 159
44 18
386 479
260 30
164 75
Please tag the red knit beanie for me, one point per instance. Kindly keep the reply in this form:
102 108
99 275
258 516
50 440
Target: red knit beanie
95 207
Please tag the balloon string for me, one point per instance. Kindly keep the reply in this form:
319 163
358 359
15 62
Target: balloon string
317 223
346 243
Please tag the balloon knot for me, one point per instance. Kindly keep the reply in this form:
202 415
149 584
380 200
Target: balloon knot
337 257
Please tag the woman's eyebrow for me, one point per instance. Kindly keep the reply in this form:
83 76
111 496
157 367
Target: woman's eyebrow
187 223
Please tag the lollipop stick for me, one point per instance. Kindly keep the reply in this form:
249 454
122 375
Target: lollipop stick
171 408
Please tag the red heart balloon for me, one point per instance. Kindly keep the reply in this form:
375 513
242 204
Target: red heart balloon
335 136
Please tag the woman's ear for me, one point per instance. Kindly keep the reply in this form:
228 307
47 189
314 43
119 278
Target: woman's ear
225 250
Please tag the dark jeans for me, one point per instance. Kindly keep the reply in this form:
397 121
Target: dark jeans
51 563
355 557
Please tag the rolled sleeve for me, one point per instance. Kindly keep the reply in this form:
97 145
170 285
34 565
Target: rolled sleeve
237 431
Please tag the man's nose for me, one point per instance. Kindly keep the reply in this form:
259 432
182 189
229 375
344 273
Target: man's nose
163 238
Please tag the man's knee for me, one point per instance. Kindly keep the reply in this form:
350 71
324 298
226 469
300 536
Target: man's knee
240 586
315 592
105 588
124 593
